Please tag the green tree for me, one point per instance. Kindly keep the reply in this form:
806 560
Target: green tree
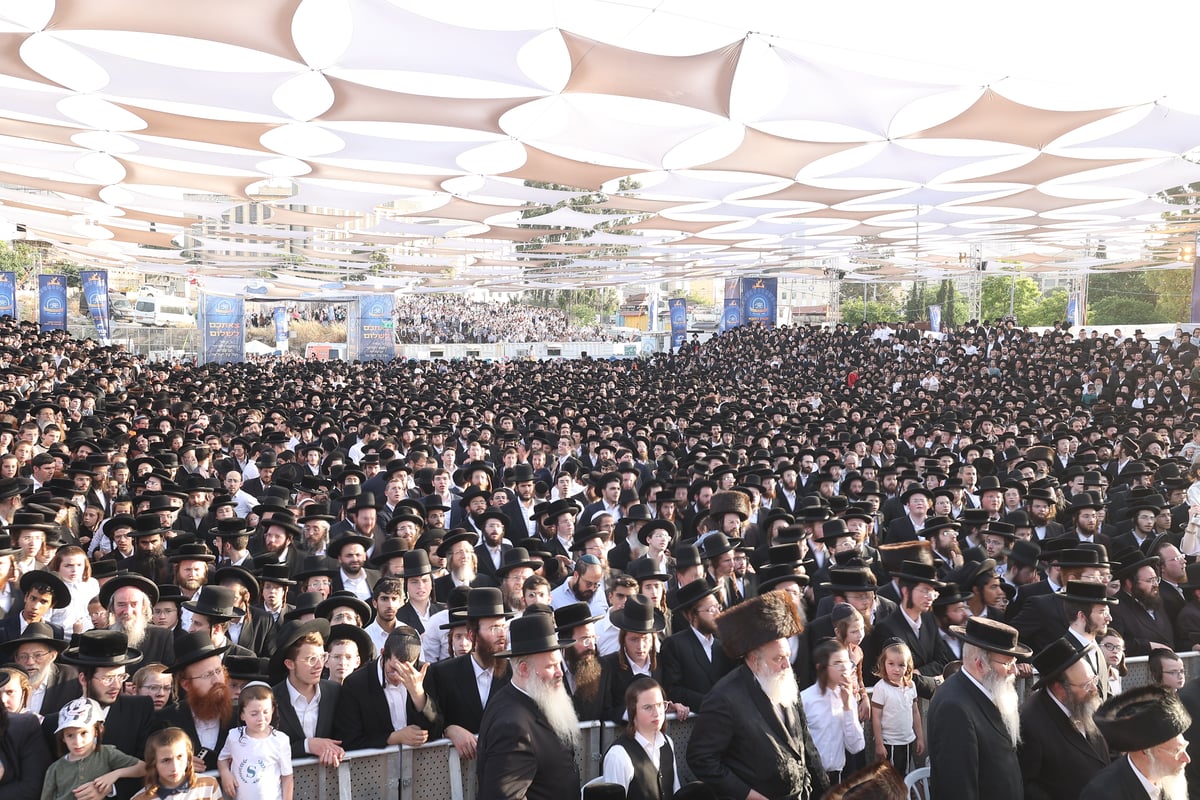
999 290
1173 288
1124 311
20 259
1051 309
877 311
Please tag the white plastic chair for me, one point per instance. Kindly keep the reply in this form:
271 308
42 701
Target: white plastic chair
917 783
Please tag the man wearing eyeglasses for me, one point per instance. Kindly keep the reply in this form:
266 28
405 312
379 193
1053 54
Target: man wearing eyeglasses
36 651
692 658
206 713
305 704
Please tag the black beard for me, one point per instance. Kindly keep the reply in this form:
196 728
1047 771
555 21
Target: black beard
587 670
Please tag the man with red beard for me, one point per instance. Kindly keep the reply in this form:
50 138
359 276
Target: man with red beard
104 660
206 712
462 686
586 680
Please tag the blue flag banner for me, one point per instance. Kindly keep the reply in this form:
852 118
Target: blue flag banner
370 331
732 316
281 329
1075 313
8 294
222 329
935 319
678 306
95 293
52 302
759 300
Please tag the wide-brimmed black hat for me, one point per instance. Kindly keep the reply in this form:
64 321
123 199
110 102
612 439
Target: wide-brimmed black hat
1193 577
849 579
102 648
486 602
653 525
291 632
1055 659
638 616
1088 592
275 572
315 566
391 548
195 551
216 603
1142 718
832 530
571 616
771 575
334 550
937 523
643 569
305 603
993 636
29 521
193 647
516 558
584 535
687 556
1127 562
366 645
718 544
58 588
242 576
532 634
347 599
1024 553
34 632
416 563
919 572
247 668
687 596
134 579
454 537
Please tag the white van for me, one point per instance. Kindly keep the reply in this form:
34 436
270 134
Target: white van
163 311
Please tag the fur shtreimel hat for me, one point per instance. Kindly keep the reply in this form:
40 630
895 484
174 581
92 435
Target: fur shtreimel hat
730 503
894 555
756 622
1142 718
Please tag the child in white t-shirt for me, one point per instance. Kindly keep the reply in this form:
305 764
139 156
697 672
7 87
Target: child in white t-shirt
256 761
895 719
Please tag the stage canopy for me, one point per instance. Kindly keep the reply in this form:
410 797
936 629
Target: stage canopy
434 146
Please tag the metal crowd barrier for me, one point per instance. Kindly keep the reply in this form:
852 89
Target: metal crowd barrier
434 771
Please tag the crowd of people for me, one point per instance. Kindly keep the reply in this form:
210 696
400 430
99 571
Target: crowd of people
795 534
453 318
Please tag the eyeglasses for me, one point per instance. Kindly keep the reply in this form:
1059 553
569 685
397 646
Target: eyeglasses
710 610
648 707
1090 683
211 675
34 655
1174 673
111 680
1113 648
1155 581
498 628
312 661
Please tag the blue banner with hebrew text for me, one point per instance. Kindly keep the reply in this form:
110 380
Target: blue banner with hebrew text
222 329
759 300
8 294
52 302
678 306
95 293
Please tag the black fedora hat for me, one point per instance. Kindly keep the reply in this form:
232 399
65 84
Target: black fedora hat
643 569
291 632
240 575
771 575
170 593
346 599
102 648
195 551
1142 718
849 579
993 636
305 603
334 550
687 556
1127 562
391 548
919 572
1088 592
687 596
718 544
216 603
147 524
1055 659
485 602
315 566
34 632
454 537
366 645
41 577
416 564
1193 577
638 616
193 647
275 572
516 558
1024 553
533 634
653 525
247 668
571 616
124 579
832 530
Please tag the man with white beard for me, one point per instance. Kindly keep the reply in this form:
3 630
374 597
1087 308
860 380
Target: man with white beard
751 738
530 732
1147 725
974 718
130 600
1061 748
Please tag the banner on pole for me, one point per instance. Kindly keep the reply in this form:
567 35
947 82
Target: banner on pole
678 307
759 300
52 302
8 294
95 294
370 331
935 319
731 314
281 329
1196 286
1075 313
222 329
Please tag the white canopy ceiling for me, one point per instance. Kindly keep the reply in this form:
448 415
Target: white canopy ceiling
305 137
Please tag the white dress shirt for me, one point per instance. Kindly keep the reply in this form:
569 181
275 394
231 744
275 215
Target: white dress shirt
397 700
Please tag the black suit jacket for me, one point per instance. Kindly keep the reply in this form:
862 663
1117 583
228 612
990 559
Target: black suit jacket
971 756
1056 760
363 718
451 683
740 743
158 646
178 715
62 686
288 721
486 567
258 632
1139 630
25 758
901 529
930 654
1025 594
619 677
10 627
407 615
1115 782
520 757
687 673
443 586
1041 620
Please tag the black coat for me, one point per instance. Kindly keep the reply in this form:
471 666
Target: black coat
1139 630
452 685
1115 782
158 646
520 757
930 654
178 715
619 677
258 632
1041 620
443 586
363 718
687 673
287 721
24 758
1056 760
62 686
10 626
971 755
739 743
486 567
407 615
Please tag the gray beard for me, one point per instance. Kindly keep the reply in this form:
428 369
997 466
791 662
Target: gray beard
781 688
556 705
1004 695
134 631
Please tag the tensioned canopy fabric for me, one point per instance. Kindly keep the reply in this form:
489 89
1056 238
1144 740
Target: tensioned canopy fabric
653 140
